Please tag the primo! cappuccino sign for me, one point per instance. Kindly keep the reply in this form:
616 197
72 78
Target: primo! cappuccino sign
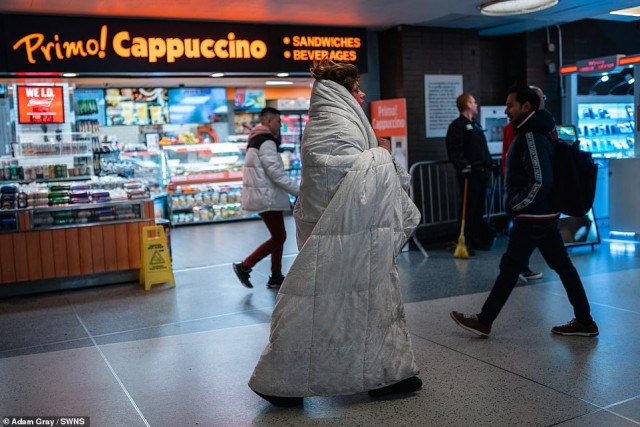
55 44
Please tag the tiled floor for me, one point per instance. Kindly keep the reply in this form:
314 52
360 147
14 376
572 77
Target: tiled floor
183 356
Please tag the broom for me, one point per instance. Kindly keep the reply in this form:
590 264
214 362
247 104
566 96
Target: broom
461 248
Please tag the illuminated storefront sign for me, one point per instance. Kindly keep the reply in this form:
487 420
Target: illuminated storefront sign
52 44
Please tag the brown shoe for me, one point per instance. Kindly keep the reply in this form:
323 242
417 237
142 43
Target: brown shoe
575 328
471 323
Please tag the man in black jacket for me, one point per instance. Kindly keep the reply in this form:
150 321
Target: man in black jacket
528 183
468 151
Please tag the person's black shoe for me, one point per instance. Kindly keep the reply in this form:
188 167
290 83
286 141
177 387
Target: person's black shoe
243 275
282 402
408 385
275 282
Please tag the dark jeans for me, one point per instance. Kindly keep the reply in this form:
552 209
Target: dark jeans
526 235
274 221
476 197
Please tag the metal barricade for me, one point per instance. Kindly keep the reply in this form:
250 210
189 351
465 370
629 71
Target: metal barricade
436 192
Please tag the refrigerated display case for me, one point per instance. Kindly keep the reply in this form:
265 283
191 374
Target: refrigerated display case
206 182
606 125
58 155
293 123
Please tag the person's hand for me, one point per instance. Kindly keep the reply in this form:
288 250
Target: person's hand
384 143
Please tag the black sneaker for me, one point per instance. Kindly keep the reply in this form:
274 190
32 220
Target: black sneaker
575 328
282 402
408 385
275 282
531 275
471 323
243 275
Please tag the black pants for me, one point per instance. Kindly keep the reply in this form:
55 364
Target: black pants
476 198
526 235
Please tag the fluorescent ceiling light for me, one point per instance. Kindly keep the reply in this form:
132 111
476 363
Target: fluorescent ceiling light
69 74
217 75
632 11
514 7
278 83
282 75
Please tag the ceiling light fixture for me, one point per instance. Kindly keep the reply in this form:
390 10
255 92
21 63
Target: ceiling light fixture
69 74
278 83
217 75
628 79
282 75
632 11
514 7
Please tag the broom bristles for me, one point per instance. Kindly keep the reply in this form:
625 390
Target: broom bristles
461 248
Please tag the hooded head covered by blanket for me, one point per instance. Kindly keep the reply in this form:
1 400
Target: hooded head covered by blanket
338 325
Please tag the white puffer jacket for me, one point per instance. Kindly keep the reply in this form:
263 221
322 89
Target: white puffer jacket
265 184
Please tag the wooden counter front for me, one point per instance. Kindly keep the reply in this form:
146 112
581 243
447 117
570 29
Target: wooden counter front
35 255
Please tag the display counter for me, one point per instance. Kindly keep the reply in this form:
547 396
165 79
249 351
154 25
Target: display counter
624 201
44 249
206 182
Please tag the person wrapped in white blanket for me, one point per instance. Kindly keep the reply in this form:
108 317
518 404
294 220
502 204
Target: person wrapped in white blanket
338 326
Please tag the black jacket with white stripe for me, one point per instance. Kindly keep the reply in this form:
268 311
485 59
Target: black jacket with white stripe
529 168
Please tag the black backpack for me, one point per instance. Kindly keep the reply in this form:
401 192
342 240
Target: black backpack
574 178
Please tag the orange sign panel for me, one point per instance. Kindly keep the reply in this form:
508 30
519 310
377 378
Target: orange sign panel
40 104
389 117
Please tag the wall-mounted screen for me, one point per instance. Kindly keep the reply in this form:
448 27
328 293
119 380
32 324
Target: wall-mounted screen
197 105
137 106
248 99
40 104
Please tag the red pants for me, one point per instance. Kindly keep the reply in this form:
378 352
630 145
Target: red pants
275 223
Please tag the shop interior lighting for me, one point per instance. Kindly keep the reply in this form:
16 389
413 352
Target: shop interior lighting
278 83
514 7
628 79
217 75
69 74
282 75
632 11
603 79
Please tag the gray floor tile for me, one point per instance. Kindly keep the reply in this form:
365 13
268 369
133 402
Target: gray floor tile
629 409
38 320
599 419
600 370
65 383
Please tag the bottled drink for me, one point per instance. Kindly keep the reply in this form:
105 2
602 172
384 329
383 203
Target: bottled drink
399 156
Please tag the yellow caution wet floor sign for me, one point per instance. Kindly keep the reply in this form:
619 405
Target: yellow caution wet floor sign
155 261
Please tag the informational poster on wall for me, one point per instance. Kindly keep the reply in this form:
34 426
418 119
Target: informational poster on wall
440 93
